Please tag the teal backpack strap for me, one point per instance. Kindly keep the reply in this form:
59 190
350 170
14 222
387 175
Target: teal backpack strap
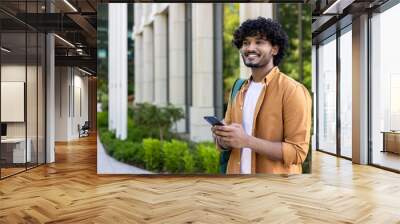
236 87
224 158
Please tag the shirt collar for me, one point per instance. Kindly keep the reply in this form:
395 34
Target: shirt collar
267 79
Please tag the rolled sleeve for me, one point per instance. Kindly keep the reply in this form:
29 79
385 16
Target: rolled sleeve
227 120
297 125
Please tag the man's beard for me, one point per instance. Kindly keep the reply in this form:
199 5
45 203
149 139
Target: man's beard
253 65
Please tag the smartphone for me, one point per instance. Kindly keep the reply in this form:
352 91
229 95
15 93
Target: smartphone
213 120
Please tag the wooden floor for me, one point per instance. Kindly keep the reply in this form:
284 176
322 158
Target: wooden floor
387 159
10 171
70 191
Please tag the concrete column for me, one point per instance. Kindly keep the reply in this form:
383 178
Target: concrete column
203 71
148 64
160 59
117 68
92 96
110 101
111 74
138 57
50 98
147 8
176 21
360 90
63 104
252 11
138 8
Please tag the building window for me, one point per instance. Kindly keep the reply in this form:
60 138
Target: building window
327 95
385 89
22 101
345 41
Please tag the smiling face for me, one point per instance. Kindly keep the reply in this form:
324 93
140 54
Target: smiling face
257 52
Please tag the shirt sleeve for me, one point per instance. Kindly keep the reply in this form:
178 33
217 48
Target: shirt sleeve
296 125
227 119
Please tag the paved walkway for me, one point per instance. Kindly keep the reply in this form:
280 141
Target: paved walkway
108 165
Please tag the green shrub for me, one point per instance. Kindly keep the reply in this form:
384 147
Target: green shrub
208 157
189 162
157 121
129 152
136 154
173 153
108 139
153 154
123 152
137 133
115 146
102 119
104 102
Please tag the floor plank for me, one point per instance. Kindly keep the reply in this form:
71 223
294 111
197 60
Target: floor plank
70 191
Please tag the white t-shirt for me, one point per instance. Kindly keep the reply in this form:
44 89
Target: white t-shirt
249 107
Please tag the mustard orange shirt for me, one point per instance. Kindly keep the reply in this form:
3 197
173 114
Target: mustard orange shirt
282 114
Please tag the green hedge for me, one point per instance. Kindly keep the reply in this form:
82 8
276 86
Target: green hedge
190 163
130 152
153 154
174 153
169 156
102 119
143 149
208 158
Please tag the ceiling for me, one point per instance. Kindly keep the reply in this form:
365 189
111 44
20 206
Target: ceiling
329 15
74 22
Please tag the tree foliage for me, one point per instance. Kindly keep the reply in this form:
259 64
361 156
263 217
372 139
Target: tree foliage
231 60
290 15
295 65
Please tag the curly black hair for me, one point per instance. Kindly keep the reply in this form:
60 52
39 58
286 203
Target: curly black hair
267 29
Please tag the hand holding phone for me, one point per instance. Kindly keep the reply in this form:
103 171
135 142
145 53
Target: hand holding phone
213 120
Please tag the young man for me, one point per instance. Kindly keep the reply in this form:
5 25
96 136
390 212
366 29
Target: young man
268 121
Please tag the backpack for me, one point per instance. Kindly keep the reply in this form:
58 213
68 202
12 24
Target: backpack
224 155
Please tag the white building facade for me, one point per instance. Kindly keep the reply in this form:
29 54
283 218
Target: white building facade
178 60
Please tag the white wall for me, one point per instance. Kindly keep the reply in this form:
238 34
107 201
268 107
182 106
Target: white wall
33 125
15 72
70 83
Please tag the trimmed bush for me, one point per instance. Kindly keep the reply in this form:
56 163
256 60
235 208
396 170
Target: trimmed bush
102 119
129 152
124 152
190 164
173 153
104 102
115 146
108 139
156 121
209 158
138 157
176 156
153 155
